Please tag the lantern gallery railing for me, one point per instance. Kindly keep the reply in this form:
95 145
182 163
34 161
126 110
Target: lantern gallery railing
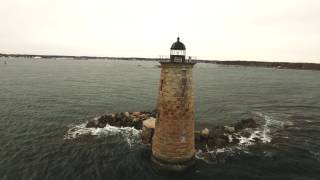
166 59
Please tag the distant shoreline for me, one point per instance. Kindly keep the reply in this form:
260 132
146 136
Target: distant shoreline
279 65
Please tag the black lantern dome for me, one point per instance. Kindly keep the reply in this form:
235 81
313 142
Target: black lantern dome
178 52
178 45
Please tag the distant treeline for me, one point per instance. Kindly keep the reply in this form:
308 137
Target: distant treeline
75 57
280 65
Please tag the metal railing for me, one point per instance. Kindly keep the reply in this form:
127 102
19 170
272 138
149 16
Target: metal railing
166 59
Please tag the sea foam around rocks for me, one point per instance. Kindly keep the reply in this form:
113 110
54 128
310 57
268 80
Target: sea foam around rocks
131 135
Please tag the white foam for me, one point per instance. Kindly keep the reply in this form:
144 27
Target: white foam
266 128
251 140
130 134
263 133
230 138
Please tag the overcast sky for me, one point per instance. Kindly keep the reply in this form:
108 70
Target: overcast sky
264 30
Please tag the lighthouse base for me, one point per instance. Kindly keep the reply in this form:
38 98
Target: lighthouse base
170 166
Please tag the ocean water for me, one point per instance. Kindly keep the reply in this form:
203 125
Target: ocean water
45 103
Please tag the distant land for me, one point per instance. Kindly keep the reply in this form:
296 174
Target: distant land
279 65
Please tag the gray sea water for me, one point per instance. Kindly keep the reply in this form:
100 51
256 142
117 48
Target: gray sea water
44 104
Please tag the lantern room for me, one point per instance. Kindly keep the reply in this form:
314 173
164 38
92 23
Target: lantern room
178 52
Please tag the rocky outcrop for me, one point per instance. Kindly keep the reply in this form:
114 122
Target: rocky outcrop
224 136
206 139
123 119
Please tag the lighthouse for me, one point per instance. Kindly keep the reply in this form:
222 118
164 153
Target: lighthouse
173 143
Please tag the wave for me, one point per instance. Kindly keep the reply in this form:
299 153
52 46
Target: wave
131 135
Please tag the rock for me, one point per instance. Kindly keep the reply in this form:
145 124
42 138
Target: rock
126 114
119 116
216 132
221 142
149 123
229 129
113 115
211 143
235 140
142 116
135 120
246 134
154 113
93 123
200 144
103 119
136 113
148 130
101 125
218 141
116 123
205 133
246 123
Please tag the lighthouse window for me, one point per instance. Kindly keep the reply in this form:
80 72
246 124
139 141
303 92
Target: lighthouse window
177 52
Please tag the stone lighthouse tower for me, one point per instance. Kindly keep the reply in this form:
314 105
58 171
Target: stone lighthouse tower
173 141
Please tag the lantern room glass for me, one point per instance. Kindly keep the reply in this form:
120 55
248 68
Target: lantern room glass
178 52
